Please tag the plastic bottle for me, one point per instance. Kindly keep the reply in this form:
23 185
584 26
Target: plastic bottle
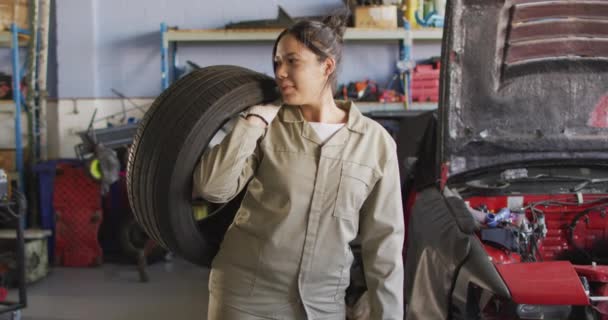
410 12
440 7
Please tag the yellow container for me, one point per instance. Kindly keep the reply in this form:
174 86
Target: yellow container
410 10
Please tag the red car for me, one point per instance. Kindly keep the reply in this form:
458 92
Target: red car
507 191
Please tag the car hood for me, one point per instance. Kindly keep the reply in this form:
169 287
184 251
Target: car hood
523 80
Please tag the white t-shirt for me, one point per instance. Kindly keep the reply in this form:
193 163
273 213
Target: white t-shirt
326 130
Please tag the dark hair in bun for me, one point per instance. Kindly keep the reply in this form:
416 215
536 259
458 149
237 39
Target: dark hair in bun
324 38
337 22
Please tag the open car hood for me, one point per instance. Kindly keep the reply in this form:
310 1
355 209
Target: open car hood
523 80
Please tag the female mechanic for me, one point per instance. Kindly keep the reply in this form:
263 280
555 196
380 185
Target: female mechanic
318 175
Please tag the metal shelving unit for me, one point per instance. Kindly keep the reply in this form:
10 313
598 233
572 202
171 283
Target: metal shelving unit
15 39
170 37
379 107
230 35
35 41
12 212
6 39
432 34
405 38
33 69
261 35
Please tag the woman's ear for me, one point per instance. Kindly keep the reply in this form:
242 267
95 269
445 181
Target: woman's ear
329 66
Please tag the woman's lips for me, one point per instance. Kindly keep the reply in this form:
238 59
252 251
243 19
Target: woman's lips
287 88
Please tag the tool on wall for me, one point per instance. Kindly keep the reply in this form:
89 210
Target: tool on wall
124 110
101 162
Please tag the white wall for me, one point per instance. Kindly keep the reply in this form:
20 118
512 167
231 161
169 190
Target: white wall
65 118
7 126
74 115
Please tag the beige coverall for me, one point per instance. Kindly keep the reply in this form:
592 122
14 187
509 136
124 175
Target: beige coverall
287 253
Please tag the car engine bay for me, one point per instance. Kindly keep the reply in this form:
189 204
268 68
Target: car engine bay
549 228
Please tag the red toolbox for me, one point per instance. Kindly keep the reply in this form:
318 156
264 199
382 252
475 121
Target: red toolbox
425 83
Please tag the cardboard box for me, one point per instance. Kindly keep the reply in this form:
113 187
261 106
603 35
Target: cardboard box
14 11
381 17
7 160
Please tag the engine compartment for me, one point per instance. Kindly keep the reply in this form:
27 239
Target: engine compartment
534 228
544 228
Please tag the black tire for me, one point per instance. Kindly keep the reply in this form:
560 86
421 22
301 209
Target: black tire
133 238
167 146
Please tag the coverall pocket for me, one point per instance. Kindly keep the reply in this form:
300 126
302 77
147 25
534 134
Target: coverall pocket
355 181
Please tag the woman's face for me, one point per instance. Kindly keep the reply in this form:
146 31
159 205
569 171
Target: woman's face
298 72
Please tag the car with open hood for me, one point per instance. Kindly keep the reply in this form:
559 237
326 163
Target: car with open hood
507 201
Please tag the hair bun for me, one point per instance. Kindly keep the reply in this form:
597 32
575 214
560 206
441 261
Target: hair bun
338 21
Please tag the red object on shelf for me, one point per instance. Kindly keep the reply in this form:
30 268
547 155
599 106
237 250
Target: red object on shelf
3 294
389 96
425 83
77 204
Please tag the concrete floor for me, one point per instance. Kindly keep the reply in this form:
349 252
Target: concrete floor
177 290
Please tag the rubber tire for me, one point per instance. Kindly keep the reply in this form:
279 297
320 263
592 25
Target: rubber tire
167 146
131 246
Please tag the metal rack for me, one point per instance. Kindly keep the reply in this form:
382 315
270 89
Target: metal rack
13 212
17 38
379 108
405 38
170 38
35 40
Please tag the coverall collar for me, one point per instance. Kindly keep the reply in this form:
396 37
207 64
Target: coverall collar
294 114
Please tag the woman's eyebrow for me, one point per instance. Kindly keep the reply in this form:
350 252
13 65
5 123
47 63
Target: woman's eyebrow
288 55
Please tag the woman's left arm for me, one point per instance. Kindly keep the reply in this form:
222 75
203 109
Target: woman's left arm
382 232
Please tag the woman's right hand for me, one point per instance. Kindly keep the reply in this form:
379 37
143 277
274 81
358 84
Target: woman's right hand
261 115
361 310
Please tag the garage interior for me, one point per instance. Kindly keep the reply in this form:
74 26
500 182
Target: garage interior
78 77
98 67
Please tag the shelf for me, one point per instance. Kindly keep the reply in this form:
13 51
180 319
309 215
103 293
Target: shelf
375 34
6 39
170 37
6 102
428 34
7 106
368 107
226 35
12 175
29 234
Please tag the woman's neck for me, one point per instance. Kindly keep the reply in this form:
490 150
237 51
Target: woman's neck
325 110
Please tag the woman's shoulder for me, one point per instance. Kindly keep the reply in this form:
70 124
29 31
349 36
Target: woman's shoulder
378 133
376 145
364 124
